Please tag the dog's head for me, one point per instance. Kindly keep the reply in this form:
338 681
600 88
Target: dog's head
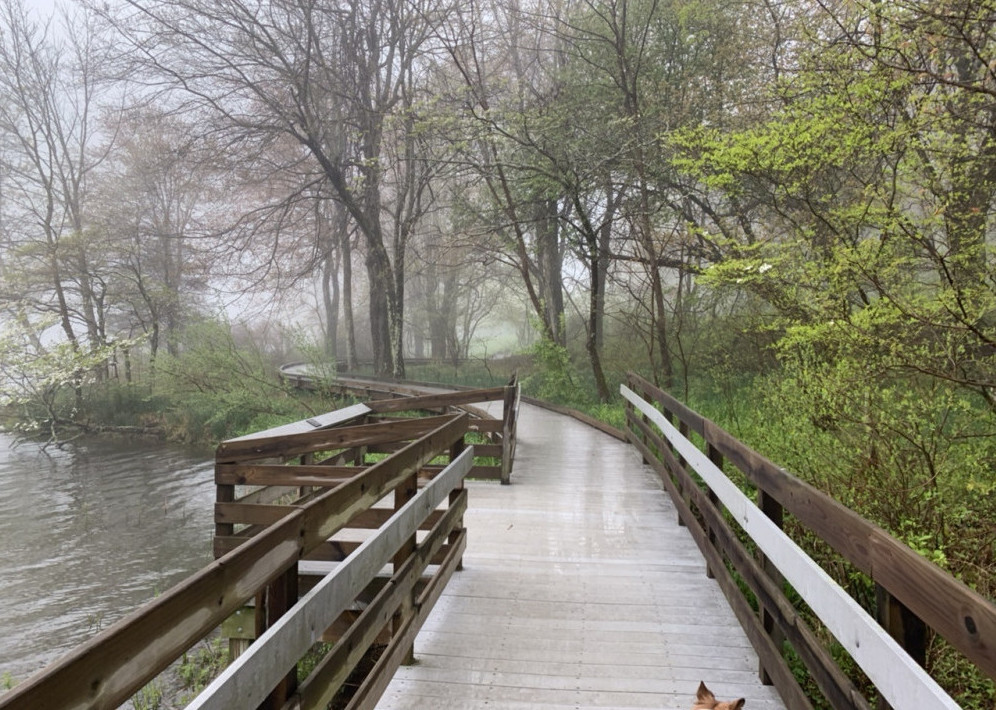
705 700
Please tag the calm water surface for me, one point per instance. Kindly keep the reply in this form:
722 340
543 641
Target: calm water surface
90 532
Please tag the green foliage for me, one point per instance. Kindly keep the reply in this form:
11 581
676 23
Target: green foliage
553 379
323 368
199 667
150 697
45 383
612 413
218 389
311 659
906 453
7 681
215 388
868 239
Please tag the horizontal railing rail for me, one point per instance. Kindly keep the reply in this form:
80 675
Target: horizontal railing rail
912 592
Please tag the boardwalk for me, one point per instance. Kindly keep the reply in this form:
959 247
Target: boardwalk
580 590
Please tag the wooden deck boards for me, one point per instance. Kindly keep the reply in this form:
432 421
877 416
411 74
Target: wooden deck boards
579 590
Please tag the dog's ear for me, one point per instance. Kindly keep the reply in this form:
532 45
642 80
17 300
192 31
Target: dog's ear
737 704
704 695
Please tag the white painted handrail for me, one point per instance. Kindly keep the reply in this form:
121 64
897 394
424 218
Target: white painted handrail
897 676
251 677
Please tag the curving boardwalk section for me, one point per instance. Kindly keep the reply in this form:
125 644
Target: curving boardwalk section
579 590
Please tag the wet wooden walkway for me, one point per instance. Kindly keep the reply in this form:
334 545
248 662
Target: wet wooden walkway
579 590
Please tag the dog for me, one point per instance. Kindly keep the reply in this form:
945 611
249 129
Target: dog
705 700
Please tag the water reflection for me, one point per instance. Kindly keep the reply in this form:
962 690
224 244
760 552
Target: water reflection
90 532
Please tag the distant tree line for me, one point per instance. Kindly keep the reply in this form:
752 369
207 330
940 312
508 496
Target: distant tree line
590 160
816 162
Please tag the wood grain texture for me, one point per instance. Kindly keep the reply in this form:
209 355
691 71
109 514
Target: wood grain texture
236 450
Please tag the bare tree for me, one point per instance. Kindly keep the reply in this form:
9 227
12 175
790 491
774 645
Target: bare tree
49 95
504 66
155 203
325 75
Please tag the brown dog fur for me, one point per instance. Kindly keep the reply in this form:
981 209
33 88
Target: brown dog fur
705 700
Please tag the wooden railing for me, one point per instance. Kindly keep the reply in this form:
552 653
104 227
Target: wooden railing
262 541
266 674
387 396
912 593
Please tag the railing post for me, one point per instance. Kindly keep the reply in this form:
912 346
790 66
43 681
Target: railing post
226 494
630 411
717 458
306 460
643 433
458 446
507 432
402 494
280 595
774 511
686 495
903 625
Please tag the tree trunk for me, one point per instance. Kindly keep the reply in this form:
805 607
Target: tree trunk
347 300
550 261
330 302
659 325
396 304
379 276
591 341
602 269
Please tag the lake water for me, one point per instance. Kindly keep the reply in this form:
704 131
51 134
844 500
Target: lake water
90 532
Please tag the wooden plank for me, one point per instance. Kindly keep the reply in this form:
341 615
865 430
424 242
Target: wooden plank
250 514
579 591
771 656
266 495
432 401
112 666
486 426
336 507
892 671
575 414
249 679
692 419
236 450
833 683
331 550
223 544
320 421
485 473
376 682
284 475
477 473
492 450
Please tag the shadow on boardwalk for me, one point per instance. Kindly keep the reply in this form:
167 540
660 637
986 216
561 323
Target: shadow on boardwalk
579 590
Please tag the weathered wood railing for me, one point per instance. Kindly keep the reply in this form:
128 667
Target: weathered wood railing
260 560
386 396
913 594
